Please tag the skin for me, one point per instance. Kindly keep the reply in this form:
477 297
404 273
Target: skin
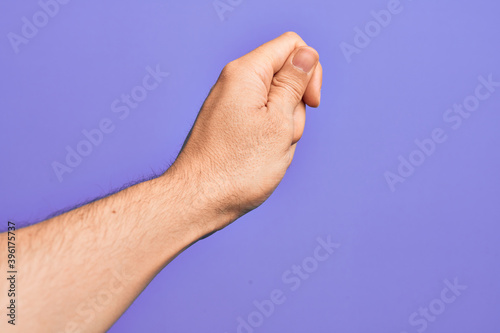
79 271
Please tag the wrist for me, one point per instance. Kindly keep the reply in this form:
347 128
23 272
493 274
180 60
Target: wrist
200 203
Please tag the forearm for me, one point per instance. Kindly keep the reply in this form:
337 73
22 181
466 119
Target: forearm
70 266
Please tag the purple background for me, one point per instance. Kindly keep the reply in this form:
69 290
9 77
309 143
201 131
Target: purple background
397 247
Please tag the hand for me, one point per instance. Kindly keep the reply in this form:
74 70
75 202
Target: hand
246 133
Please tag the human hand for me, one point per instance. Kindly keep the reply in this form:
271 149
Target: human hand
245 135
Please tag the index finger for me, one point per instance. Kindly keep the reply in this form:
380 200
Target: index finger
276 51
267 59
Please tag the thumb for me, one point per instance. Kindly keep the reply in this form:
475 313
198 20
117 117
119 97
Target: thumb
290 82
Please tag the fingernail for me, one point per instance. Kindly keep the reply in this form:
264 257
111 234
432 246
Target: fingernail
304 59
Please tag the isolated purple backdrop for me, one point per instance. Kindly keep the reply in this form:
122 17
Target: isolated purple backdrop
397 248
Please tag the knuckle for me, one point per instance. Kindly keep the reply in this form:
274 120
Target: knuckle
230 70
291 35
235 70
